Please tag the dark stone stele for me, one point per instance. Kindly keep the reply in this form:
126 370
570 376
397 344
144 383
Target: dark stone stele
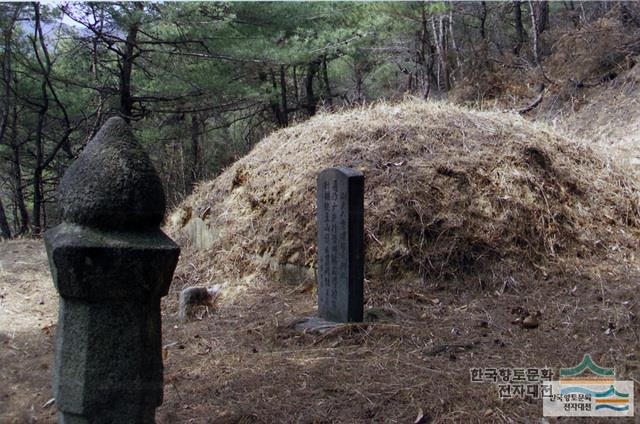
111 264
340 197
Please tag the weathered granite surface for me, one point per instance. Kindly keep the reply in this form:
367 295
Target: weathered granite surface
111 264
340 215
113 184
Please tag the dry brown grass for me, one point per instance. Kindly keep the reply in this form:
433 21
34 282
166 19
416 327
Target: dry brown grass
449 193
244 364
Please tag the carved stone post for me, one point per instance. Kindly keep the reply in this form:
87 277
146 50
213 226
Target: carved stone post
340 195
111 264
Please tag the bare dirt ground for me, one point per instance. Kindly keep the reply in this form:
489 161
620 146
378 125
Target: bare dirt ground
28 312
244 364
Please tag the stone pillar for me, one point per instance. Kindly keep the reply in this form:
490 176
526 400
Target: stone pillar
340 200
111 264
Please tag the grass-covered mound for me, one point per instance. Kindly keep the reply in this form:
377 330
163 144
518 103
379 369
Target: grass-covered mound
449 192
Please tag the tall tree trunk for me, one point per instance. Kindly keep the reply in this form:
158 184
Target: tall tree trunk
128 57
296 94
455 45
283 97
37 195
195 150
41 54
438 51
44 208
443 44
274 102
7 70
23 226
325 79
8 78
483 20
97 122
40 125
312 101
517 20
5 230
425 54
358 73
438 36
535 32
542 16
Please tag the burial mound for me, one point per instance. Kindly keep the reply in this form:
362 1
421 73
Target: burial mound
449 192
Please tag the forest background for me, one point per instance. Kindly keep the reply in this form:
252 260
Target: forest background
201 83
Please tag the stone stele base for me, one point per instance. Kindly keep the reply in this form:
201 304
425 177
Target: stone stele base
316 325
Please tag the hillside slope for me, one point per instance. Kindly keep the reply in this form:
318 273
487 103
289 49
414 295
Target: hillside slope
610 118
587 85
596 88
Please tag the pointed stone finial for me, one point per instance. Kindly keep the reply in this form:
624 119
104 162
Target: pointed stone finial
113 184
111 264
